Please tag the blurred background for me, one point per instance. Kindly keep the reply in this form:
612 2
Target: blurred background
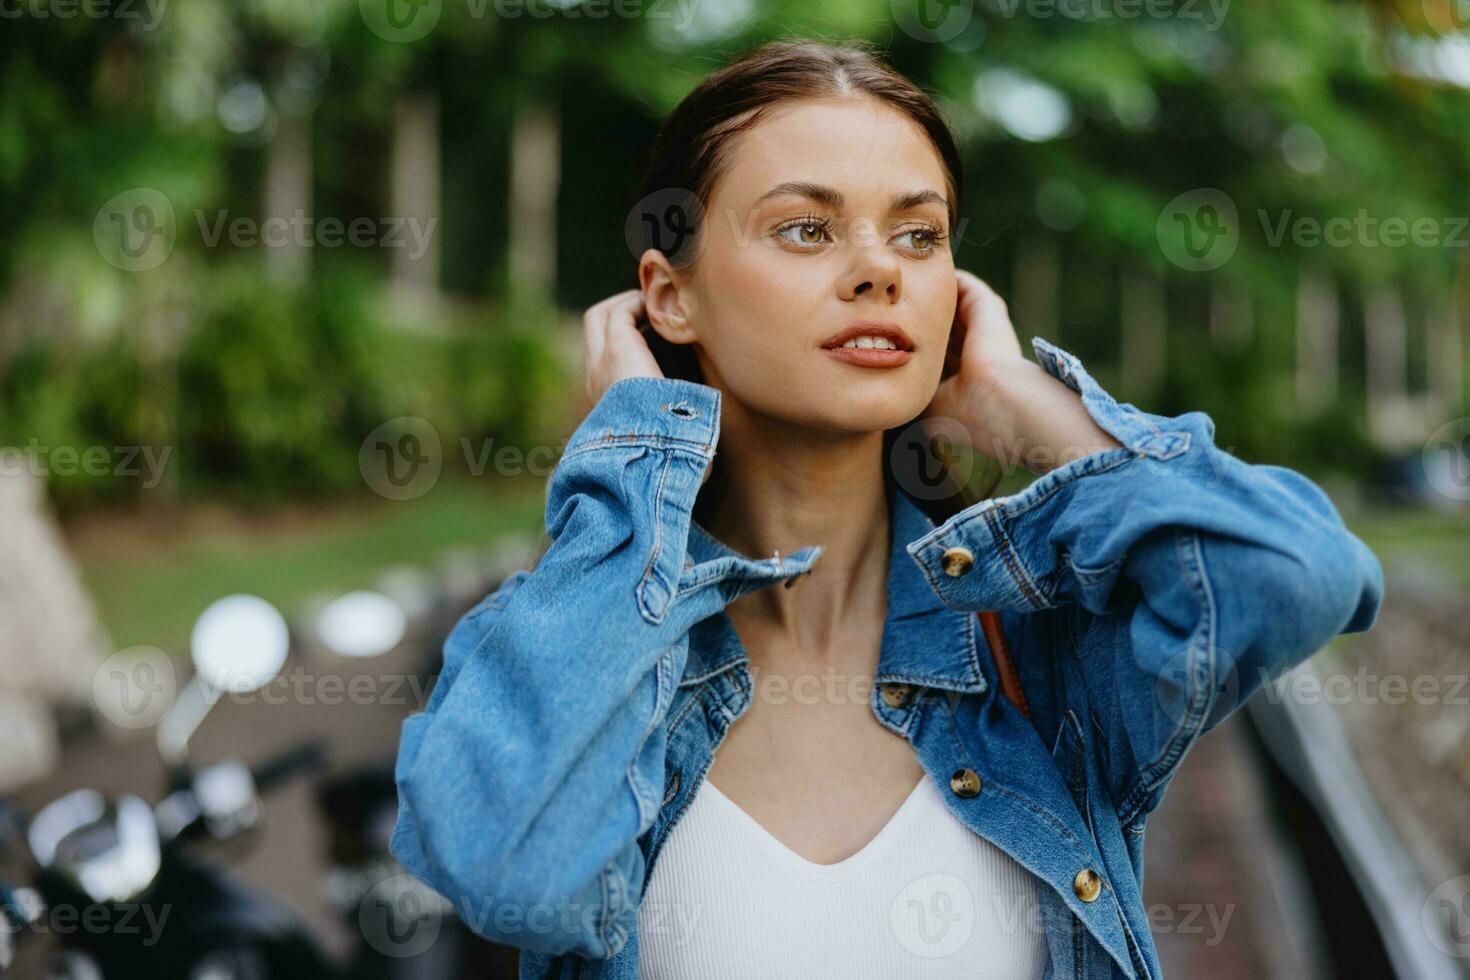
290 305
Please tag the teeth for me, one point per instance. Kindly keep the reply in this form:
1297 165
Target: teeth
866 342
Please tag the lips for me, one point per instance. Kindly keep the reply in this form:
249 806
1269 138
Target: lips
891 332
871 357
896 348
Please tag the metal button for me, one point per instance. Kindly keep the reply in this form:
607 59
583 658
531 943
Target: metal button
801 575
673 789
965 782
1087 885
957 561
897 695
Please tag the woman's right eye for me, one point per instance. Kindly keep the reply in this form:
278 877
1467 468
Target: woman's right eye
805 232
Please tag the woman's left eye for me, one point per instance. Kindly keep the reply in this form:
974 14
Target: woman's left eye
927 238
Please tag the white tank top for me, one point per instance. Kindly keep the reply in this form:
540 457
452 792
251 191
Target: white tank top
926 897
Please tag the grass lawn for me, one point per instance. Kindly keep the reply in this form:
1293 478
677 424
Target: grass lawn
1438 541
150 578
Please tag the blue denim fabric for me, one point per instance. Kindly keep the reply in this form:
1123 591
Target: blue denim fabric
1146 592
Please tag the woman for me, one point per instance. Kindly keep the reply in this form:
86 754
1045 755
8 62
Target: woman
641 761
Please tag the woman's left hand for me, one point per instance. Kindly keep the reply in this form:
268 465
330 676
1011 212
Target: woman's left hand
1013 410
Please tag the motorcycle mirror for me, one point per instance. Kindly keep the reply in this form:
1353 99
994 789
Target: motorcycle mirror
239 644
361 624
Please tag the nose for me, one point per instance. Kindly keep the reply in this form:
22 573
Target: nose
887 288
875 271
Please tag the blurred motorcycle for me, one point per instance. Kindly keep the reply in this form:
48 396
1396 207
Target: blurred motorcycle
122 869
161 911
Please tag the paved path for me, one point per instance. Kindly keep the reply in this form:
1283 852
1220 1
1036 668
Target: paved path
1214 911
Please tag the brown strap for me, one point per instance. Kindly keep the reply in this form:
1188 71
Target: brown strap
1010 680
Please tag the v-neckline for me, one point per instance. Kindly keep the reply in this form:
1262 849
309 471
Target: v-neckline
815 869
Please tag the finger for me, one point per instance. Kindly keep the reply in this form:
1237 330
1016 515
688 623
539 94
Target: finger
989 331
958 331
598 312
616 309
623 315
595 321
983 308
624 340
601 306
592 344
978 301
594 336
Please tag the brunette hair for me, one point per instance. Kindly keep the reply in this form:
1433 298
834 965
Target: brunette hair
694 145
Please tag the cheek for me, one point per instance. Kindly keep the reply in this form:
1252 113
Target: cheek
934 293
771 286
759 302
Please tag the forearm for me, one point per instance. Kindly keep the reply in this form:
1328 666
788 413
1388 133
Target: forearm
1073 532
1193 577
536 765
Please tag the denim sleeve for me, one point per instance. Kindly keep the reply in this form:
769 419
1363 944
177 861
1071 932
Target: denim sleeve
539 759
1183 578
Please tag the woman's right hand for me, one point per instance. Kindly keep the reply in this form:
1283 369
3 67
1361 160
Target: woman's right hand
613 346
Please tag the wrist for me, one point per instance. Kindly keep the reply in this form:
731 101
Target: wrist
1035 419
994 409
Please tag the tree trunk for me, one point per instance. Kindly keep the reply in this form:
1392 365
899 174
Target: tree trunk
416 201
1317 320
1143 308
288 198
535 176
1038 285
1389 411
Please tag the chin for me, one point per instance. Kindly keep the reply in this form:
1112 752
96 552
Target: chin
870 408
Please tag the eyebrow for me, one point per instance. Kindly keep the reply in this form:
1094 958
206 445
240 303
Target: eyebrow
833 198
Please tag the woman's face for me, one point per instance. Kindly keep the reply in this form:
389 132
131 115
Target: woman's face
830 215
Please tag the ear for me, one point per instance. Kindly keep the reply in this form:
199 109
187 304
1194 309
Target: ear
666 298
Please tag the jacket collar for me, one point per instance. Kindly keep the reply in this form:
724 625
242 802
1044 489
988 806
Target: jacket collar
925 643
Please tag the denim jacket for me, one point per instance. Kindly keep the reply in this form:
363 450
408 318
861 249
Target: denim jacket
1146 591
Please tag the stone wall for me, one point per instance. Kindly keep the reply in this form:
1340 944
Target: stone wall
50 638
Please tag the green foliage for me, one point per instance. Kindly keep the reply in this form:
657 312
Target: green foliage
274 390
269 390
279 388
265 383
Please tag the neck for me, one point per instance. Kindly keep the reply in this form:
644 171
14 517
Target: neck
778 487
